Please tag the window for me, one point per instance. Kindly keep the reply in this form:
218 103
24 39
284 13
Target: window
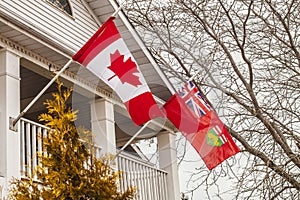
64 5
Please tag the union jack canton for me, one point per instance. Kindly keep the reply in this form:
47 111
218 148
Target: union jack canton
194 99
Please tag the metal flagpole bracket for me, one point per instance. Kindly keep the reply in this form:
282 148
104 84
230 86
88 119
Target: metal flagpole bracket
13 126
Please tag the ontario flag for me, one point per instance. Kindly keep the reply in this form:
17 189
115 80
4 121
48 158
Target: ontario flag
196 120
107 56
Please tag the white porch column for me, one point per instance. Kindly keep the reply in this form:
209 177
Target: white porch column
103 125
9 107
168 162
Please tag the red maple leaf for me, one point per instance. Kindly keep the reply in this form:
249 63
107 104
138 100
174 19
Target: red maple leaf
124 70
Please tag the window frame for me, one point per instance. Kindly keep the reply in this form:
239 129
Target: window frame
61 9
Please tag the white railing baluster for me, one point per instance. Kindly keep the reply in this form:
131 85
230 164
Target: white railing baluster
137 175
120 174
39 143
150 190
28 150
143 180
23 149
155 186
33 148
45 133
142 189
165 183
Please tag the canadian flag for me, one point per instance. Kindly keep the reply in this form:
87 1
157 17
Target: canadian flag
108 57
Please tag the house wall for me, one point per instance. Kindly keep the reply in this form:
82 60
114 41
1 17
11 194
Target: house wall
51 23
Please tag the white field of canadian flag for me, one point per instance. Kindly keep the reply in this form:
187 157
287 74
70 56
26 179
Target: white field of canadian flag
99 66
108 57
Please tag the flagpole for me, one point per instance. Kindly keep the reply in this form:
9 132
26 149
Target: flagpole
132 138
41 93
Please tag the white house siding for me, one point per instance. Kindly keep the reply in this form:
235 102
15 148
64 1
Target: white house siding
50 22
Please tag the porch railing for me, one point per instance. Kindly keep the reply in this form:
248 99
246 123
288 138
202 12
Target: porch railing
150 182
32 135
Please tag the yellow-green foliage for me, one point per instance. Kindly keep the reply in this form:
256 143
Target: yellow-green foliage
69 170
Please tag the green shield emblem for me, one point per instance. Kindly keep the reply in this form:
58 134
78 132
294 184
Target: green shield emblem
213 139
